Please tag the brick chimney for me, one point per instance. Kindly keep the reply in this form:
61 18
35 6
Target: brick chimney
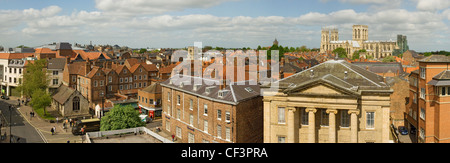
88 66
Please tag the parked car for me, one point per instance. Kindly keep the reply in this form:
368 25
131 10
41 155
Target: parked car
403 130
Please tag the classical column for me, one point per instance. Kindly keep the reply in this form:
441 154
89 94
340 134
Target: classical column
354 125
332 125
292 127
311 124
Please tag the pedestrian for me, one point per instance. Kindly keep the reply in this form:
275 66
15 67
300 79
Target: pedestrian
70 121
31 114
56 119
82 131
173 137
52 130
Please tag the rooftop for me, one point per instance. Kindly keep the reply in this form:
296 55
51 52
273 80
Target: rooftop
339 73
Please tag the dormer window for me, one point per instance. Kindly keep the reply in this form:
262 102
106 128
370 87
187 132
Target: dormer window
223 93
196 87
249 90
208 90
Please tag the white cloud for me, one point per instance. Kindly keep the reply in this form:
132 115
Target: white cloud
48 25
433 5
140 7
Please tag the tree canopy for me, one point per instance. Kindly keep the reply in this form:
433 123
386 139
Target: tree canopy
121 117
341 52
34 78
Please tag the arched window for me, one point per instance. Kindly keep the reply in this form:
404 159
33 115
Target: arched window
76 103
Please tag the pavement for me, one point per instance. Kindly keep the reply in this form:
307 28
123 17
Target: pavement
43 127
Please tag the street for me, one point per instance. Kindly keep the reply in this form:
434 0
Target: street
22 131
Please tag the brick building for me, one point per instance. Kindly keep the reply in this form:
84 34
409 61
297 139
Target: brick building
428 112
217 113
150 100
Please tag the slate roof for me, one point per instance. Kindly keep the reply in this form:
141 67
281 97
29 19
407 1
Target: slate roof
436 58
333 72
444 75
56 63
381 67
235 92
63 94
154 88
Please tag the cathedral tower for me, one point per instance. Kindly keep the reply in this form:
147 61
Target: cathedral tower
360 33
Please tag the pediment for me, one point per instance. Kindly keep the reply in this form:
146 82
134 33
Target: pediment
320 88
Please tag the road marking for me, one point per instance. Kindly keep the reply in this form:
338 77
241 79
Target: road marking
37 129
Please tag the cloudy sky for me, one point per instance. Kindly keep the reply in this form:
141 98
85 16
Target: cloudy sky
225 23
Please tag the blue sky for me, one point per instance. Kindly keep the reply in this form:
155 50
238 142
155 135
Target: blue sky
227 23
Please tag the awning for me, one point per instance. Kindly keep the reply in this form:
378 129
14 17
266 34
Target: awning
149 108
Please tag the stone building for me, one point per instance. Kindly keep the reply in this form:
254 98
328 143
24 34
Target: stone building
332 102
360 40
70 103
217 113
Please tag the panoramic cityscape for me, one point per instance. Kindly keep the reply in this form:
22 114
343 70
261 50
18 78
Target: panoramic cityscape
227 71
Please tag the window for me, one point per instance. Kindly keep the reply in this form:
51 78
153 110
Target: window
102 82
121 80
345 119
422 93
422 113
55 82
54 72
324 117
191 104
205 109
126 80
110 79
178 99
205 126
168 110
178 114
370 120
110 88
305 117
281 117
191 119
281 139
168 125
227 133
121 87
228 116
191 138
130 79
76 103
415 98
422 133
422 73
219 131
219 115
74 78
178 130
168 96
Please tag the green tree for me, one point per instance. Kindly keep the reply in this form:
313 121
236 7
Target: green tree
41 99
121 117
356 54
389 59
341 52
142 51
34 78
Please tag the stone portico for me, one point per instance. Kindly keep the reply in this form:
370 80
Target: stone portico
321 105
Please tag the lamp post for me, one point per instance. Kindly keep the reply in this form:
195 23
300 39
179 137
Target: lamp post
10 123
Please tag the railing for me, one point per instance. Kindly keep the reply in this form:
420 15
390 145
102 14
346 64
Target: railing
98 134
